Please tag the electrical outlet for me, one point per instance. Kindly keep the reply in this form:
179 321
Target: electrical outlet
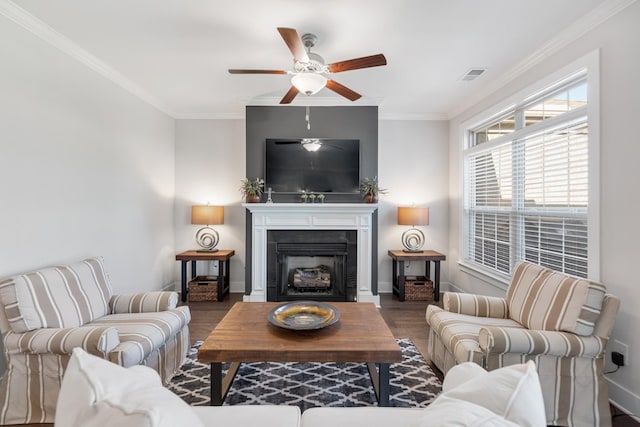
213 268
621 348
617 358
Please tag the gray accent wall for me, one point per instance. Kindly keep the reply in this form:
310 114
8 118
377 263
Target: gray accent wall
326 122
265 122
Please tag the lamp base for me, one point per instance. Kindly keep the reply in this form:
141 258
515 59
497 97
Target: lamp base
207 238
413 240
206 250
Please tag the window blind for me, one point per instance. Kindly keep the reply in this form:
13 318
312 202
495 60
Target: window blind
526 195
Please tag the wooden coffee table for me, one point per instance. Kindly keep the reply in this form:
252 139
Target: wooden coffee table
245 335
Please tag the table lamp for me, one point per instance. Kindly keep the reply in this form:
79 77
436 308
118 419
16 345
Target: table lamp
207 237
413 239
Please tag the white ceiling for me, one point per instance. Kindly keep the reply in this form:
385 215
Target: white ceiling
175 53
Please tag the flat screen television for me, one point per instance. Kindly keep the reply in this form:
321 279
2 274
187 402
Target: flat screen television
333 168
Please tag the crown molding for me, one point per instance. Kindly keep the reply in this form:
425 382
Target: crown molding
313 101
34 25
579 28
210 116
413 116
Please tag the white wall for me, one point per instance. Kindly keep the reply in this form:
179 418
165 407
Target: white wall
85 169
619 42
210 163
413 166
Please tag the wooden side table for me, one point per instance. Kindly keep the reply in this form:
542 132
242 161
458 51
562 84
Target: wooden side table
399 257
223 255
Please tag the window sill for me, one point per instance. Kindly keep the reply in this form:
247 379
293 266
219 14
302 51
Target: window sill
496 280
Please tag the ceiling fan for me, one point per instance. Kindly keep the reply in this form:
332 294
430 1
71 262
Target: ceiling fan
309 68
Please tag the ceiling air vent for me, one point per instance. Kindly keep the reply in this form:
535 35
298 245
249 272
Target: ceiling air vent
473 73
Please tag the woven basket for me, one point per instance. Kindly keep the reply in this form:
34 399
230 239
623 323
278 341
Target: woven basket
203 288
418 288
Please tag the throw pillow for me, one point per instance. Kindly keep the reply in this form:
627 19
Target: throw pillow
512 393
98 393
448 412
460 374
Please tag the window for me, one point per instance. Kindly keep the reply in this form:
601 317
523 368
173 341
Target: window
527 183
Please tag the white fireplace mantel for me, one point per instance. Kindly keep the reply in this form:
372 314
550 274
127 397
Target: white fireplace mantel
311 216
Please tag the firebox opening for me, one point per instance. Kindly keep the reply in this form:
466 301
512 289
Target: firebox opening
309 276
311 265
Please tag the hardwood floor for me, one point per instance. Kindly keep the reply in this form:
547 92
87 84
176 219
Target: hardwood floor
405 319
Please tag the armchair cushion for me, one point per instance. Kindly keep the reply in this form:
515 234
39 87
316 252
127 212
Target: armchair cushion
542 299
459 332
98 393
143 303
475 305
97 340
56 297
498 340
142 333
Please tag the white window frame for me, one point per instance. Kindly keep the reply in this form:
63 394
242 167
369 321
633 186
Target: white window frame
590 66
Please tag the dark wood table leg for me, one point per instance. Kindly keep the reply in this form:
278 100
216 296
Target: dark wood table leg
394 277
216 384
380 380
401 280
184 281
220 385
436 282
227 276
223 278
193 269
427 269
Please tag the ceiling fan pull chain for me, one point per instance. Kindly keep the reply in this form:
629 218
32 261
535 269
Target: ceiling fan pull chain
307 118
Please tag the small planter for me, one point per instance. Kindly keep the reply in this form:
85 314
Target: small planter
252 198
370 188
370 198
252 189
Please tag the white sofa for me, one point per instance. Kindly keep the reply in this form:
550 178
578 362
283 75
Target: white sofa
96 393
46 313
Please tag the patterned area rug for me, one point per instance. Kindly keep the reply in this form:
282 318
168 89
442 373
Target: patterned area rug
308 385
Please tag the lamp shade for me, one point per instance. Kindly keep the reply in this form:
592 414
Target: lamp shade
207 215
309 83
411 215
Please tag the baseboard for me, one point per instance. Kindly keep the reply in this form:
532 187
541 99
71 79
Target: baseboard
624 399
453 288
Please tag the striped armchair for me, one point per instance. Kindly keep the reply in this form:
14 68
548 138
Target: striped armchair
47 313
560 322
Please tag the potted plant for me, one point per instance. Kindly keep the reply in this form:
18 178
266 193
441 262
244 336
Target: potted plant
252 189
370 189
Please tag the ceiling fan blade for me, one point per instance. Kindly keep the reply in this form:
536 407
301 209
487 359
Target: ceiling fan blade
357 63
236 71
293 41
288 97
342 90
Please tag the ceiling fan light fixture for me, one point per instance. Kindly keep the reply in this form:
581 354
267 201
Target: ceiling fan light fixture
311 144
309 83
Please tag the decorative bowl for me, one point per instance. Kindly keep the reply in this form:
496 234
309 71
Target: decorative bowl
304 315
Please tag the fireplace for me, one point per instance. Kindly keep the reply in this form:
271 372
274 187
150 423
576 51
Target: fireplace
358 220
311 265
